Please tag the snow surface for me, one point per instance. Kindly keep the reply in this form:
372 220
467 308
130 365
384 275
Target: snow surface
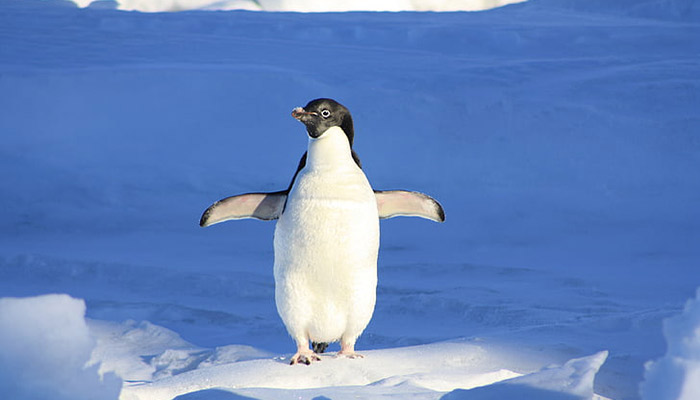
677 374
45 346
561 138
298 5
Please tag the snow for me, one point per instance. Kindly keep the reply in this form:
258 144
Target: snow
677 374
421 371
573 380
299 5
561 138
45 346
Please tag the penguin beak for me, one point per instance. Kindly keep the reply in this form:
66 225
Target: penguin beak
301 114
309 119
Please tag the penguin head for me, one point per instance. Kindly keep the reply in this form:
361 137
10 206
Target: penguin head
321 114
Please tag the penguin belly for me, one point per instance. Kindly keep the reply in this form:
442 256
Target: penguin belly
326 245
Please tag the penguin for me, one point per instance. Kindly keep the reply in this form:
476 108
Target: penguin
326 239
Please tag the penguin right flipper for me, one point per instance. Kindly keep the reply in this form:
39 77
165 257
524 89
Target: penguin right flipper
264 206
394 203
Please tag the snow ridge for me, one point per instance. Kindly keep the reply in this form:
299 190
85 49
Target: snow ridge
677 374
45 346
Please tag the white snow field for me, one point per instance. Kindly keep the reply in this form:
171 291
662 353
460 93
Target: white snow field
561 137
297 5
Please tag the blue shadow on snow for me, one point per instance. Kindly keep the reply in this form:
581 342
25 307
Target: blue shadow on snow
212 394
508 391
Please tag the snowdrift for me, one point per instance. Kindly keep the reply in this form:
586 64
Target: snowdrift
677 374
158 365
299 5
45 346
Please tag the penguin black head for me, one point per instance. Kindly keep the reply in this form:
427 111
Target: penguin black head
321 114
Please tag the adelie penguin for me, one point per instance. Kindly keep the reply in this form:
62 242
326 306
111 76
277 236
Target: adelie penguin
327 235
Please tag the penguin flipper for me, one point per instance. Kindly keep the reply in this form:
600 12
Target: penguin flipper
394 203
264 206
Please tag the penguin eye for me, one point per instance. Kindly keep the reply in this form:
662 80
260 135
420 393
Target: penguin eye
325 113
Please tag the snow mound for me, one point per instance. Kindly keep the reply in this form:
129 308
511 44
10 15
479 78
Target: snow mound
431 368
45 345
573 380
301 5
156 364
142 352
677 374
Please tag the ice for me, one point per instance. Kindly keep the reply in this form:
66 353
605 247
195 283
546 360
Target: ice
573 380
413 372
677 374
45 346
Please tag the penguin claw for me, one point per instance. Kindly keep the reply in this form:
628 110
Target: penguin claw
352 355
302 358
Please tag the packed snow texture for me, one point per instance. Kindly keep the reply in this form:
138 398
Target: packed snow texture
45 347
560 136
656 9
677 374
175 368
573 380
299 5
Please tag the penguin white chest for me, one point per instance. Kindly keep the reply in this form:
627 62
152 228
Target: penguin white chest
326 245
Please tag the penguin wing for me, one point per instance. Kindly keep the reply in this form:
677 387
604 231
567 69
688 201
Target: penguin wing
393 203
264 206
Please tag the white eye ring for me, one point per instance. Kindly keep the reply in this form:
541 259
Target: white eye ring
325 113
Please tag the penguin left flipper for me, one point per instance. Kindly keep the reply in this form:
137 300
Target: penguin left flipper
394 203
264 206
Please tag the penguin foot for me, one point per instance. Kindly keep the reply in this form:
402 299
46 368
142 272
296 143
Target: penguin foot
306 357
347 349
349 354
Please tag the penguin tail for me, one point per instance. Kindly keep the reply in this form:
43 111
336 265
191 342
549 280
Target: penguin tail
319 347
